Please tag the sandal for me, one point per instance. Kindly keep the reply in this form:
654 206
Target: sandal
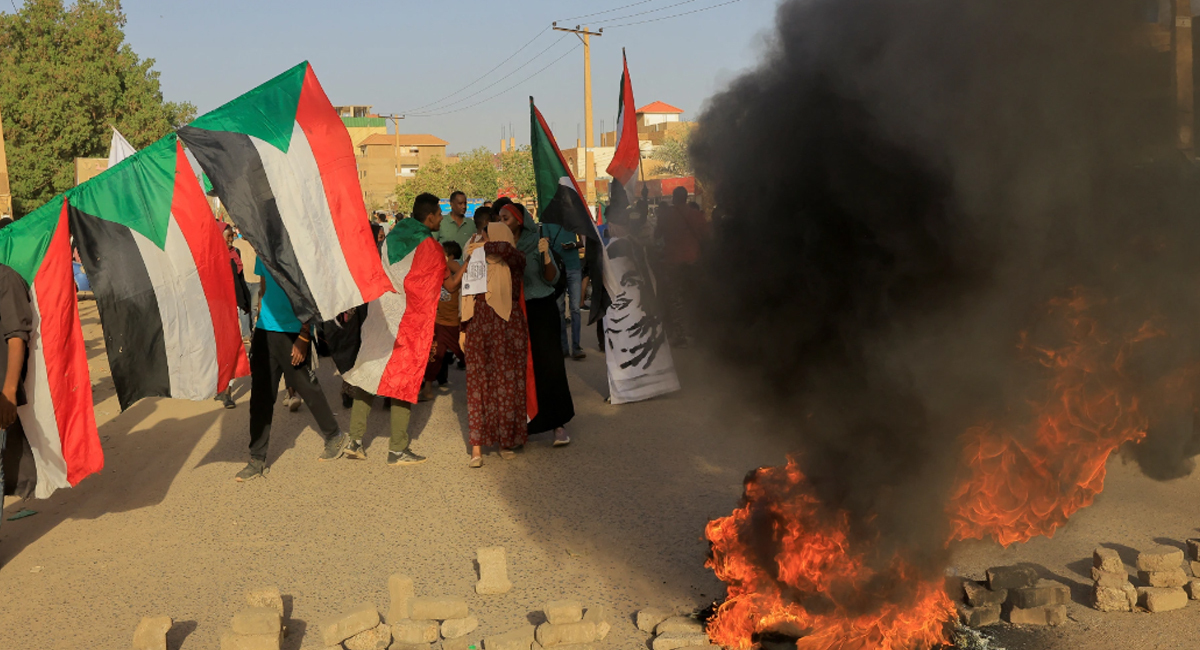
508 454
561 439
476 462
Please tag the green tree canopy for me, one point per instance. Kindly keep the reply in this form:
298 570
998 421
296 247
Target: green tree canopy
480 173
516 173
66 77
673 153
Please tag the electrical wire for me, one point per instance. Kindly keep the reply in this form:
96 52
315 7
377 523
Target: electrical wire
684 13
493 84
606 11
482 76
641 13
506 90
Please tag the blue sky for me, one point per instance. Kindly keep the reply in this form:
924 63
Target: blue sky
402 54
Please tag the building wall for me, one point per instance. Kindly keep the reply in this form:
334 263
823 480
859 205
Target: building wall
576 158
88 168
651 119
377 172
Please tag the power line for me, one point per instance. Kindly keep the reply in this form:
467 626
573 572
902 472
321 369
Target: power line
511 73
684 13
482 76
506 90
606 11
642 13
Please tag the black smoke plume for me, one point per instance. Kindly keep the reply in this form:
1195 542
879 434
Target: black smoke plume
908 185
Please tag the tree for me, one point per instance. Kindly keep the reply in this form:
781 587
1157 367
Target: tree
431 177
475 174
66 77
673 154
516 173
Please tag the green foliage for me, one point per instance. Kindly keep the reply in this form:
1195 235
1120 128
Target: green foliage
66 77
477 173
673 153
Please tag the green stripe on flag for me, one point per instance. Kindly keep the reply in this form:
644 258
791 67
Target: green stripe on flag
267 112
136 193
404 238
24 242
547 168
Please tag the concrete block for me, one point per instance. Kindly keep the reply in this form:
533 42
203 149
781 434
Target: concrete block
438 609
493 571
1193 549
335 629
550 635
1109 580
151 633
1193 589
1109 599
1011 577
676 640
978 594
400 590
376 638
256 620
1162 558
1162 599
518 639
561 612
598 616
406 646
1046 592
265 597
1195 568
954 588
1169 578
461 643
459 627
649 618
979 616
1107 560
415 631
231 640
1044 615
679 624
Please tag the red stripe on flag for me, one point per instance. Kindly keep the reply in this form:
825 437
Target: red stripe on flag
628 154
198 225
66 358
334 153
531 403
405 368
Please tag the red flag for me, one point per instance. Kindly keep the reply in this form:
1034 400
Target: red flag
627 156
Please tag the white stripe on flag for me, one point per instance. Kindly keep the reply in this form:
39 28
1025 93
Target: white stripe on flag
300 196
380 329
46 443
188 337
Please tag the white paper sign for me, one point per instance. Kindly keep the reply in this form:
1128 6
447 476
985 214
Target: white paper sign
475 278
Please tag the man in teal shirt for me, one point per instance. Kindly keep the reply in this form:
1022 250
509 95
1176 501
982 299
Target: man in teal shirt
280 348
458 227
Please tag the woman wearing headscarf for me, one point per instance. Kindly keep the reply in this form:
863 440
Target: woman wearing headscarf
497 344
555 407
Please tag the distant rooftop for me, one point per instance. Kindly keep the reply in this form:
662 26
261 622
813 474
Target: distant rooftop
405 140
352 122
659 107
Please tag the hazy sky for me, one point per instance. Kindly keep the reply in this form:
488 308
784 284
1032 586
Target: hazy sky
403 54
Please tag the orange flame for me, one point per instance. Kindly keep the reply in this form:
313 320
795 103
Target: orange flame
814 586
1015 488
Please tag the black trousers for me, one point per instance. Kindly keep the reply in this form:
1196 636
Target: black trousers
555 407
270 359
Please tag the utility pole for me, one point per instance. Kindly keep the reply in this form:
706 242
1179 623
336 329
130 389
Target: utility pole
6 209
589 137
396 128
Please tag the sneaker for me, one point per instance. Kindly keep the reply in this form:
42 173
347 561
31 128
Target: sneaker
294 403
561 439
426 393
227 400
476 462
579 355
355 450
406 457
334 447
254 469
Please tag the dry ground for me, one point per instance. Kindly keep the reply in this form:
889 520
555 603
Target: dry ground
616 518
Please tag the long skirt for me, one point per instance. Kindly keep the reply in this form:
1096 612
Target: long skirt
555 408
498 351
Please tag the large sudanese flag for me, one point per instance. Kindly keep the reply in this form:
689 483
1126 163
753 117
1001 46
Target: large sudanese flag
161 275
58 419
559 199
282 163
627 155
398 331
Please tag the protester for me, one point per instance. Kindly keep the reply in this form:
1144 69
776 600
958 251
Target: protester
16 323
242 294
555 407
497 343
683 232
458 228
426 211
281 347
446 327
565 244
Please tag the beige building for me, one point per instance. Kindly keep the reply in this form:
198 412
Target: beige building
387 160
654 122
88 168
6 209
361 123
